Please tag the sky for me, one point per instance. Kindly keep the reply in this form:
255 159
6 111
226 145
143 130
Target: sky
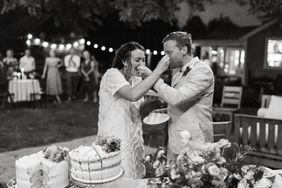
238 14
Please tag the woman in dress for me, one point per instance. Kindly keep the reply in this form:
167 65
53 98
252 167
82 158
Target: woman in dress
10 61
88 71
53 82
121 91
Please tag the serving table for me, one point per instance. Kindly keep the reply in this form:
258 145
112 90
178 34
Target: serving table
22 89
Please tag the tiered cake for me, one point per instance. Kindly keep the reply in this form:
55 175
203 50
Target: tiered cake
45 169
97 163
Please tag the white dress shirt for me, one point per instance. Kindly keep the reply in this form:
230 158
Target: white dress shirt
27 63
72 63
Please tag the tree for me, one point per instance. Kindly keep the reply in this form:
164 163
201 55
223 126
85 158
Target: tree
270 8
84 15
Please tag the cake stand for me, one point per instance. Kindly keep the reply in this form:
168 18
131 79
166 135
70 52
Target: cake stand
79 183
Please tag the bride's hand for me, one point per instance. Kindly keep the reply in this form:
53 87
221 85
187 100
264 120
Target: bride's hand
143 71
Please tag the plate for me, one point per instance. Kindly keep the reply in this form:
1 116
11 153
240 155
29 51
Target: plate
156 118
84 183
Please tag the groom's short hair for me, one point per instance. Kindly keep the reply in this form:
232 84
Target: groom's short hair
181 38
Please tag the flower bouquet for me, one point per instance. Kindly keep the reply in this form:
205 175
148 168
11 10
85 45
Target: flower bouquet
209 165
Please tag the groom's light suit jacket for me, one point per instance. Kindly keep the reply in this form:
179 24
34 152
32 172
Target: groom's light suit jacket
189 101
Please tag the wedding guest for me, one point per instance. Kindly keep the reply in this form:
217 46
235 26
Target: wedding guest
87 70
72 64
121 91
190 95
51 69
97 77
27 64
10 61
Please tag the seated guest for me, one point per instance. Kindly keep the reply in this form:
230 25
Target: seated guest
11 61
27 64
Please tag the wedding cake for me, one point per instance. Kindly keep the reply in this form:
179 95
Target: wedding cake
97 163
45 169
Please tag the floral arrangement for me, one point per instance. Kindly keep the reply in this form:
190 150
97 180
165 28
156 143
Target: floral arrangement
109 144
209 165
55 153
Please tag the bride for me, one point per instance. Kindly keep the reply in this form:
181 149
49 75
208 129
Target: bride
121 91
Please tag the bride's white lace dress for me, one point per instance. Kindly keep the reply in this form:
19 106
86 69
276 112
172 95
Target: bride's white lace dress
120 117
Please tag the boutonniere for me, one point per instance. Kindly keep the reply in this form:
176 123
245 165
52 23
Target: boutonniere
186 71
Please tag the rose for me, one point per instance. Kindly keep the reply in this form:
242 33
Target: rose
223 143
197 159
160 154
212 169
174 175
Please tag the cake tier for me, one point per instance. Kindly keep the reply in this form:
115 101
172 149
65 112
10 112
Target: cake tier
87 165
85 183
35 171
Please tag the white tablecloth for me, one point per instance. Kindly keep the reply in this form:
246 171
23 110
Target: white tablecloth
22 89
142 183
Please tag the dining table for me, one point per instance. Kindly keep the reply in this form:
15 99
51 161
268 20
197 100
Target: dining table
22 89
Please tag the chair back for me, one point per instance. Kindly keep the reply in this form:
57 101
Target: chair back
265 100
231 97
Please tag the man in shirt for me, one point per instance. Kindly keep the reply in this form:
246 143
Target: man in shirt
72 64
190 95
27 64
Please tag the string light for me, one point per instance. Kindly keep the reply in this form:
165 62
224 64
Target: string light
29 36
75 44
79 44
68 46
61 47
82 41
45 44
37 41
28 42
53 46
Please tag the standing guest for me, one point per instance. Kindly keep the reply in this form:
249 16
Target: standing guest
51 68
88 80
27 64
72 64
121 89
10 61
3 76
3 81
97 77
190 95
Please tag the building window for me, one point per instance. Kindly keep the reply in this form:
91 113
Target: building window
273 55
234 61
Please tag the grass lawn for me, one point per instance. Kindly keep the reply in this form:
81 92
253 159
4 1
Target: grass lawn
27 127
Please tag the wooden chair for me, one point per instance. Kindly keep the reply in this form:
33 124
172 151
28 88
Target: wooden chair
5 95
264 134
265 100
221 130
230 101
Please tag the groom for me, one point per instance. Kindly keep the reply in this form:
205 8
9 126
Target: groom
190 95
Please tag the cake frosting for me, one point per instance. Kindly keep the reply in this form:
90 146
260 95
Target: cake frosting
95 163
39 171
